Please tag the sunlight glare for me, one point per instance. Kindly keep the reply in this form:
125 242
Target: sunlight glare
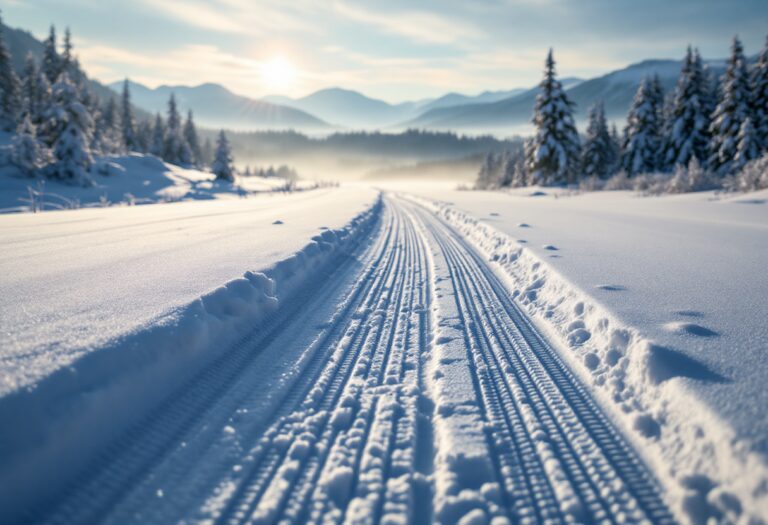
278 72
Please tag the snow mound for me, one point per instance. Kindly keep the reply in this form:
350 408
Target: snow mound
127 378
642 384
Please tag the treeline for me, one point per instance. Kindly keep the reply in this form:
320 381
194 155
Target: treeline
60 124
412 143
706 133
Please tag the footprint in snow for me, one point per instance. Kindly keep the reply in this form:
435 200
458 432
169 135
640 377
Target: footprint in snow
523 225
611 287
278 222
522 241
494 214
690 329
550 247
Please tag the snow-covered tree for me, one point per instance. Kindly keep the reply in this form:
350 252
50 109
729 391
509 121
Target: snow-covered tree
759 85
67 55
688 123
517 167
35 91
597 156
747 146
207 152
144 130
51 60
127 121
28 153
553 155
157 143
176 149
731 112
192 141
222 165
640 153
71 152
107 137
10 89
490 172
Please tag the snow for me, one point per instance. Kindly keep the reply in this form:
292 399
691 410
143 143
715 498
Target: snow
659 304
125 180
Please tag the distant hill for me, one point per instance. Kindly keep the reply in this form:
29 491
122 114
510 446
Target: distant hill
349 108
215 106
615 89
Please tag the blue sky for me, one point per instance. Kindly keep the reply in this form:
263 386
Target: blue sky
395 50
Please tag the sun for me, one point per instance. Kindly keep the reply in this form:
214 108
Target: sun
278 72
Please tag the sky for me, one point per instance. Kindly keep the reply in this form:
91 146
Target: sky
395 50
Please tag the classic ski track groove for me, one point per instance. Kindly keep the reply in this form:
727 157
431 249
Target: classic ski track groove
345 437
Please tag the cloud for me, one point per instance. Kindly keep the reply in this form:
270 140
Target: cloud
419 26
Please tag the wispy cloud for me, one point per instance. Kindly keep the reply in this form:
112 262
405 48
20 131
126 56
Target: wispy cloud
419 26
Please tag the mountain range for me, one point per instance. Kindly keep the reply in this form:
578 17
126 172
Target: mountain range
336 108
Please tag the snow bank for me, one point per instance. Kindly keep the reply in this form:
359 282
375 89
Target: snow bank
708 471
98 396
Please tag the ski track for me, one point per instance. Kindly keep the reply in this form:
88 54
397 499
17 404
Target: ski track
419 393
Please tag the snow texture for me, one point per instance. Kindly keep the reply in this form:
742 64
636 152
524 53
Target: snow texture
673 349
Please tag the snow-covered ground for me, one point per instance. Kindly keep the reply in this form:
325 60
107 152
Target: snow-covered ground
126 180
677 285
438 355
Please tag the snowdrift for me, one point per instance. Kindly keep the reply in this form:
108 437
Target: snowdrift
61 423
710 474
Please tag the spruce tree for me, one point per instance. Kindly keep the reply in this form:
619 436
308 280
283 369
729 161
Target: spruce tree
10 89
207 152
597 151
71 152
157 143
190 137
28 154
51 60
175 150
759 85
35 91
488 176
553 155
687 128
144 135
107 135
747 146
128 123
67 56
641 149
222 165
731 112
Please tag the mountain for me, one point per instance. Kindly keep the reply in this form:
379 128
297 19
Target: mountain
615 89
215 106
348 108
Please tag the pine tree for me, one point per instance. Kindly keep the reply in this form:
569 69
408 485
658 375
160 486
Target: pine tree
128 123
190 137
35 91
687 128
28 154
143 135
747 147
175 150
72 155
157 144
10 89
207 152
222 163
519 175
616 149
759 81
554 153
641 148
597 151
67 56
107 137
51 60
731 112
488 176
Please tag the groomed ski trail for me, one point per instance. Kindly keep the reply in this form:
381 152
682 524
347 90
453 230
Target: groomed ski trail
406 388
